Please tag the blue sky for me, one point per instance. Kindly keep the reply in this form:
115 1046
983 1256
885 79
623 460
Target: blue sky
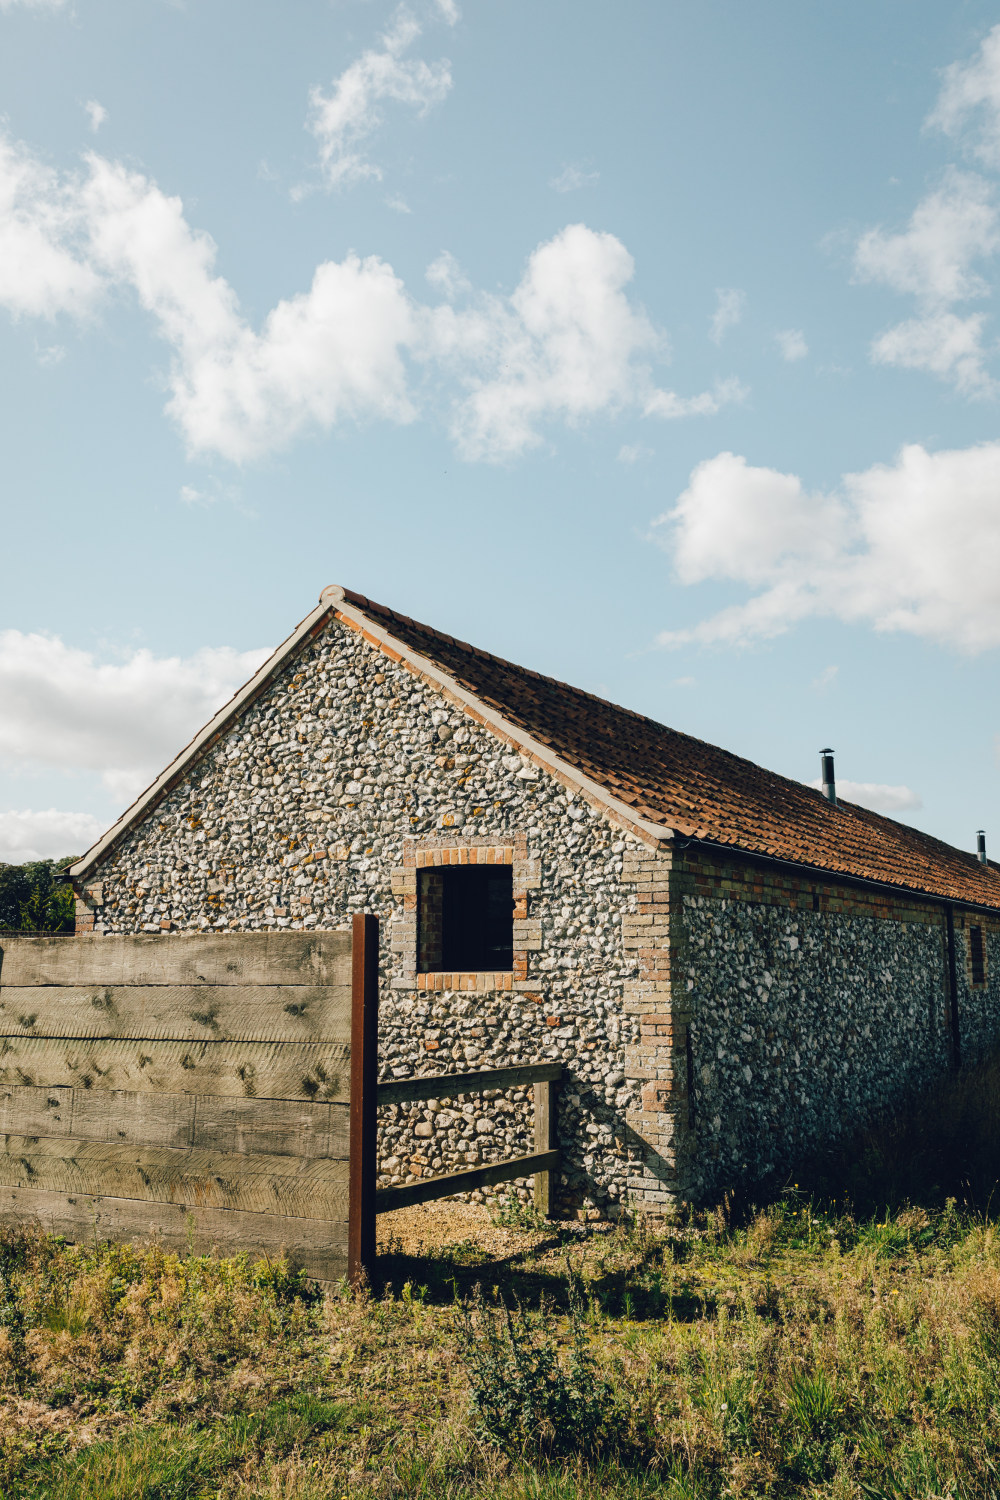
652 346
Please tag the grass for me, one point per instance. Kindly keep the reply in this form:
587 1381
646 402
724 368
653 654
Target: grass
806 1348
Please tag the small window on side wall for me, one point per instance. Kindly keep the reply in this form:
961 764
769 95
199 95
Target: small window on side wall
977 955
465 919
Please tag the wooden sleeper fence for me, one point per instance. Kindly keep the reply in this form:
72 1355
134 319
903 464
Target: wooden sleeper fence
220 1089
190 1087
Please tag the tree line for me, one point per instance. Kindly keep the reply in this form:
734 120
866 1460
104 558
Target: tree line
37 896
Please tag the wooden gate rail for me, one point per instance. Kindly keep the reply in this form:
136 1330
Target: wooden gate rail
447 1085
542 1161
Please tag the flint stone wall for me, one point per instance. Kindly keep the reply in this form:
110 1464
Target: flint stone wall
297 818
978 1005
802 1026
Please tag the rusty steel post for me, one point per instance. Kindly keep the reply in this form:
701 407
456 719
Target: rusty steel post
364 1098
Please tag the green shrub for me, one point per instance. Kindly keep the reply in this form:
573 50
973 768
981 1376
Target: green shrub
523 1396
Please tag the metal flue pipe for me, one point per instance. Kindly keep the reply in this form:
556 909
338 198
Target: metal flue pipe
829 781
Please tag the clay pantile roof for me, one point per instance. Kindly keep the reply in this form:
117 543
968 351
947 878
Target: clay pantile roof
694 788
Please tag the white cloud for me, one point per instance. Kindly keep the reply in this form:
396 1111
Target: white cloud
912 546
566 344
212 492
970 94
43 270
45 835
669 405
328 354
343 119
447 275
729 305
934 261
32 4
874 795
572 177
791 344
939 258
125 719
942 344
826 679
632 453
741 522
96 113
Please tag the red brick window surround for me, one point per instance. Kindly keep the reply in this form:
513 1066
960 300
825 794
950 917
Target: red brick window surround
415 941
465 918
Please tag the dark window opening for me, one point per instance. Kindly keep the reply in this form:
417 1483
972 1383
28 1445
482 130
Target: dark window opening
465 919
977 955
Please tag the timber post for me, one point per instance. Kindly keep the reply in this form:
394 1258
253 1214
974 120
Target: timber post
364 1097
546 1139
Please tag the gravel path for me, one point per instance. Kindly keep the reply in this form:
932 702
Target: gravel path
431 1225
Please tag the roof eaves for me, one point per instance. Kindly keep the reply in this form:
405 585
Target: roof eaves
202 740
841 872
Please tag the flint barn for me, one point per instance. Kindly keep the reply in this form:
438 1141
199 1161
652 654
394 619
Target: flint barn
733 968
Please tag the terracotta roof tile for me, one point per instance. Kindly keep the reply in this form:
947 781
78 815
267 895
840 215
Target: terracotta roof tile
695 788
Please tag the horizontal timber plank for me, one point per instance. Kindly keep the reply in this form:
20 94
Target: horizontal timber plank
386 1199
258 1013
274 1070
314 958
297 1187
317 1246
279 1127
403 1090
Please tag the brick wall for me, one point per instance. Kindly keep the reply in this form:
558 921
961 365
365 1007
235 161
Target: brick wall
659 1012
